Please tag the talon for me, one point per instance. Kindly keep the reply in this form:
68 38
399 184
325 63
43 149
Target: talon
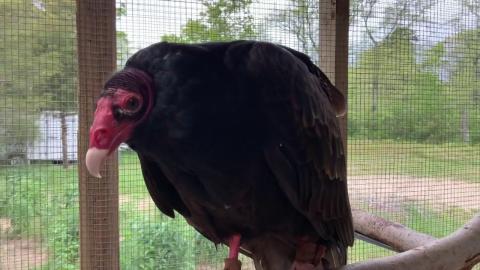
232 264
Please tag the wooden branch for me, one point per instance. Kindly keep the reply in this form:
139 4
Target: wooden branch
395 235
459 251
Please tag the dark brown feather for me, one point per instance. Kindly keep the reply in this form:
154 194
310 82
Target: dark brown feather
163 194
312 168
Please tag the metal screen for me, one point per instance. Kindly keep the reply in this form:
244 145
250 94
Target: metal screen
414 111
413 119
38 127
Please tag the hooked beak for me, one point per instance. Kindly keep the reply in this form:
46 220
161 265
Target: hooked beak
94 160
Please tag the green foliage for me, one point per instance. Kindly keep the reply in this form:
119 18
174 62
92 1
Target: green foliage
39 52
42 204
42 201
426 118
390 65
167 233
62 224
393 95
18 204
38 65
459 67
464 81
17 72
221 21
434 58
206 252
63 240
157 243
17 129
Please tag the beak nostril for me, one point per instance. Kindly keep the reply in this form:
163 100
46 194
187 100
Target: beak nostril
101 136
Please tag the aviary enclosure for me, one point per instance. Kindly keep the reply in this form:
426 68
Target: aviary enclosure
413 128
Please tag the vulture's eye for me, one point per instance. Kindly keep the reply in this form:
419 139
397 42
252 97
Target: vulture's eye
118 113
132 104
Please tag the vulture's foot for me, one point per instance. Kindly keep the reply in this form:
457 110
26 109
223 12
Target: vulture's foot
309 256
232 262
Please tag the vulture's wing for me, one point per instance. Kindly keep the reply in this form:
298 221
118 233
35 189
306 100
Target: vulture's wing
306 154
161 190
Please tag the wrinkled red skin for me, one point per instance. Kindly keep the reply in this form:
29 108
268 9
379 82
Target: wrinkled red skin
106 132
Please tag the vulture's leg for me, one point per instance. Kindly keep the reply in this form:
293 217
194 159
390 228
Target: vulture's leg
309 257
232 262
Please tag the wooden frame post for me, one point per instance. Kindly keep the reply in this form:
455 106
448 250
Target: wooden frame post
96 48
334 22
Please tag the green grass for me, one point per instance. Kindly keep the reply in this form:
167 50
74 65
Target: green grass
42 202
28 195
131 179
455 161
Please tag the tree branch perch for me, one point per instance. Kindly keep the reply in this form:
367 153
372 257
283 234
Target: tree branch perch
458 251
395 235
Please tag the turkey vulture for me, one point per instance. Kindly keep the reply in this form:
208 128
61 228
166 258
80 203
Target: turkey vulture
242 139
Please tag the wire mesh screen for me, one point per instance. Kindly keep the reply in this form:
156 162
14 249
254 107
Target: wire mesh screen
38 127
413 121
149 238
414 113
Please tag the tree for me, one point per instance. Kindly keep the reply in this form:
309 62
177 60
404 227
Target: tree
464 80
302 18
465 69
18 76
57 41
412 104
380 18
222 20
39 52
397 14
456 60
41 69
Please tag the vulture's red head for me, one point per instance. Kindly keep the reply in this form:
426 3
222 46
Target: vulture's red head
125 102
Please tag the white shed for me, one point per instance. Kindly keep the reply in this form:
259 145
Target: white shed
48 145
